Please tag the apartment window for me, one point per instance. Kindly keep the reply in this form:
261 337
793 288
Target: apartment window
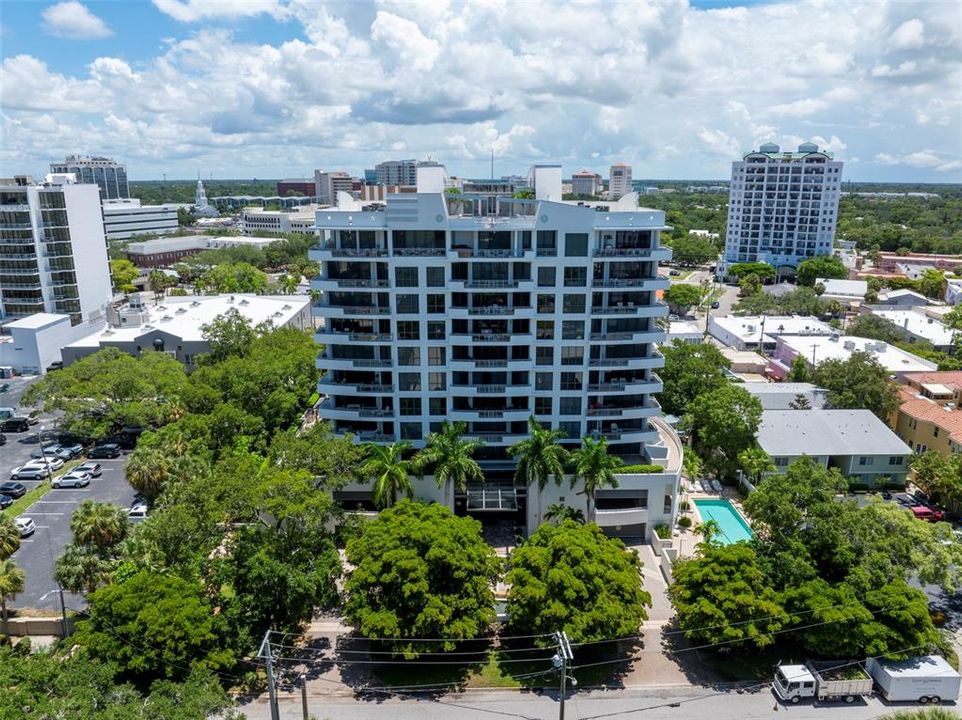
667 507
780 462
435 277
438 406
409 381
572 330
408 356
408 330
935 431
571 381
543 381
572 355
547 242
574 304
545 303
896 460
435 304
407 303
864 460
920 448
410 431
546 277
436 356
410 406
406 277
544 356
576 244
437 381
436 330
545 330
571 430
542 406
571 406
576 276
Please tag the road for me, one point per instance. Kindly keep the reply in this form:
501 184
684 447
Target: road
652 703
52 514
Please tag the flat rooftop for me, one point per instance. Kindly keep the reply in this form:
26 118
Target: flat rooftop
918 324
835 347
750 328
791 433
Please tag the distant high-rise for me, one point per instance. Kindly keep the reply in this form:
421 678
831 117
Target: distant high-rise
108 174
586 183
619 181
783 206
328 184
397 172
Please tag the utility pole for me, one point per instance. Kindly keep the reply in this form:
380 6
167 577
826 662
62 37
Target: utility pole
560 661
266 653
304 696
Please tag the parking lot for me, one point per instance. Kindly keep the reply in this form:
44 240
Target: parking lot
52 513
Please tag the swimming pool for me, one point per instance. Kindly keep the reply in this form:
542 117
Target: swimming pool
733 526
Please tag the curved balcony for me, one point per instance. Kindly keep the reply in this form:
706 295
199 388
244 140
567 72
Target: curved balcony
327 284
327 386
335 253
326 363
480 389
481 415
620 517
341 311
331 337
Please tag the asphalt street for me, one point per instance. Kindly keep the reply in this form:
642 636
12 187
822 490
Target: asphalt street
52 513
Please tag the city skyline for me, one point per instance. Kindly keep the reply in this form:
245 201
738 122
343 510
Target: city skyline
274 89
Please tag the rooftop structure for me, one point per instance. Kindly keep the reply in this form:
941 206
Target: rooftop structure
943 386
279 222
126 218
759 332
843 290
903 298
917 327
109 175
686 332
783 395
818 349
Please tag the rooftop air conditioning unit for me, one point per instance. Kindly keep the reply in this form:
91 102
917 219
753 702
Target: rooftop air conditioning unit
849 344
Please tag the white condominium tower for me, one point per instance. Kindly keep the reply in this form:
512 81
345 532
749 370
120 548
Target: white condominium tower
53 256
488 309
108 174
782 206
619 181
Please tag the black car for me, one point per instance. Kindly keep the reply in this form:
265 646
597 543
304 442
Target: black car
18 423
13 489
107 450
5 502
715 305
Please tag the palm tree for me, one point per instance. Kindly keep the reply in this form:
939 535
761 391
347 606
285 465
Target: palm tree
147 471
288 284
755 462
450 456
709 530
595 467
390 471
82 569
540 457
98 524
12 579
9 537
559 512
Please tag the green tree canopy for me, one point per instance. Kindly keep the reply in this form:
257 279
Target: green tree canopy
122 274
693 250
680 296
595 468
858 382
724 420
389 472
827 266
420 572
689 371
875 328
449 457
574 578
232 277
763 270
540 457
228 335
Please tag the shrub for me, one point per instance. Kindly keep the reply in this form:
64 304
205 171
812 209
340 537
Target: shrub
683 506
639 469
684 522
663 531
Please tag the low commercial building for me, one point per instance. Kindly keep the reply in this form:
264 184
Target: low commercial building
788 395
916 327
175 326
856 442
279 222
760 332
297 186
126 218
903 298
169 250
31 344
844 291
684 331
818 349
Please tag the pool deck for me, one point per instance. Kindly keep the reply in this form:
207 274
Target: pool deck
686 540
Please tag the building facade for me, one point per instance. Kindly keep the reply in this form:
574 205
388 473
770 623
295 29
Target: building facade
396 172
783 206
619 181
109 175
125 218
328 184
490 310
278 222
53 255
586 183
164 252
305 187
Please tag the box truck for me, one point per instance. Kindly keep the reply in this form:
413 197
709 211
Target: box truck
837 680
928 679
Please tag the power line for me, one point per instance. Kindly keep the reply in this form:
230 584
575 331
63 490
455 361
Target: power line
464 663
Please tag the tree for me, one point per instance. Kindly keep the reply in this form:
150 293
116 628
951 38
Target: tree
689 371
763 270
332 459
723 420
154 626
723 596
681 297
90 560
287 284
390 472
147 471
932 284
230 334
828 267
595 468
557 513
540 457
420 572
81 569
875 328
122 274
99 524
12 579
574 578
9 537
857 382
749 285
158 282
692 250
799 402
449 456
755 462
231 277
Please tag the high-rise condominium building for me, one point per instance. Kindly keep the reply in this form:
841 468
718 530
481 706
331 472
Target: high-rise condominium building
619 181
328 184
108 174
489 310
397 172
782 206
53 256
586 183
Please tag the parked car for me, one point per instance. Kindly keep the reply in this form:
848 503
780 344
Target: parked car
18 423
137 511
25 526
926 513
52 451
715 305
5 502
107 450
75 449
92 468
30 472
13 489
52 462
72 479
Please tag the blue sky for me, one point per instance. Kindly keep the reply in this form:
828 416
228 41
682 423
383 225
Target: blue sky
270 88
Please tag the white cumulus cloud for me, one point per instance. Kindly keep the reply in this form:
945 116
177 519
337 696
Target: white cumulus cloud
71 19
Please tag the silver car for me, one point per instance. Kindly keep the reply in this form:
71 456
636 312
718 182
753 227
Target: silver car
72 479
25 526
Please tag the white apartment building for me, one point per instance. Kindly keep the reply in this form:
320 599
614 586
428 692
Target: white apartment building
586 182
489 310
125 218
279 222
53 255
783 206
396 172
619 181
107 173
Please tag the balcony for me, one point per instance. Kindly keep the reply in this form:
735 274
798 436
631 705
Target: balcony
487 254
329 252
640 336
328 386
419 252
470 415
641 283
636 363
328 337
339 311
621 517
329 410
319 283
469 390
326 363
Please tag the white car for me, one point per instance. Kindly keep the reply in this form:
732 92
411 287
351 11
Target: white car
54 463
91 467
25 526
72 479
139 510
30 472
